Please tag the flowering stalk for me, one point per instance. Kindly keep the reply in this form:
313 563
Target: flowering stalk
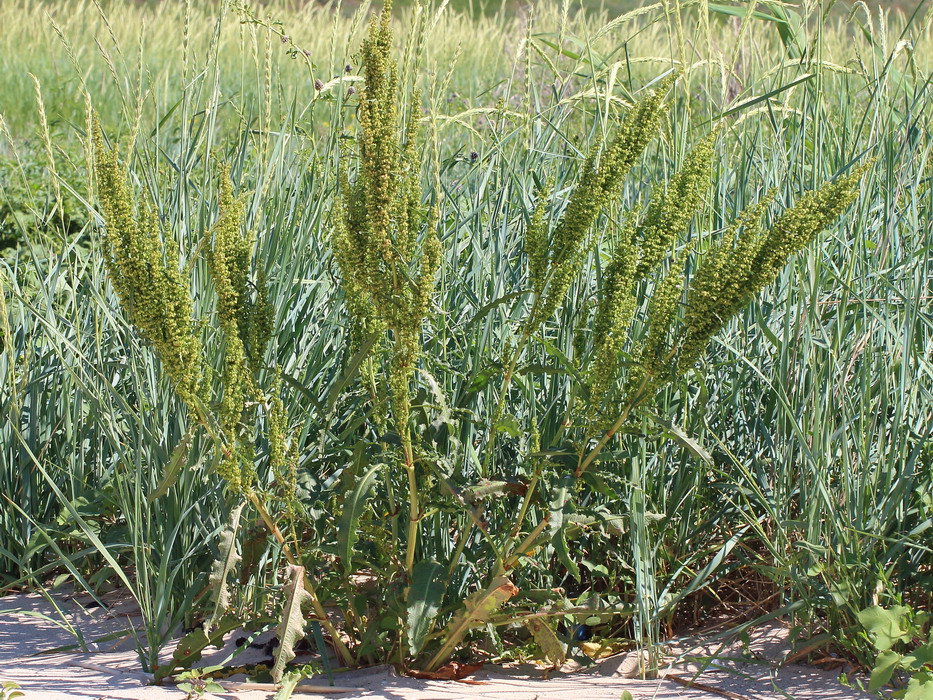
387 273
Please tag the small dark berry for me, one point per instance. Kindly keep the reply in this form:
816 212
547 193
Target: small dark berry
347 68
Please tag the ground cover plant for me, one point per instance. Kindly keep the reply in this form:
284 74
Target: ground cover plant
440 359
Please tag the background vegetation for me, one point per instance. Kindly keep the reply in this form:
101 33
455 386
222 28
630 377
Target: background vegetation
814 408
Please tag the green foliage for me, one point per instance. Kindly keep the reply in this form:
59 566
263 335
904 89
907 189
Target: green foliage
903 639
292 625
197 683
809 396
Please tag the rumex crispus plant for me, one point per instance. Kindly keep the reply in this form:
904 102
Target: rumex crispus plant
652 323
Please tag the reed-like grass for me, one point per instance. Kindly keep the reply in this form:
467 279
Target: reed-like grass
815 403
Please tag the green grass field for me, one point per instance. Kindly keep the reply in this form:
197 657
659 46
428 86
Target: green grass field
788 472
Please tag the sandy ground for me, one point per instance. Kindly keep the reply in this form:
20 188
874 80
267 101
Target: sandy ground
111 670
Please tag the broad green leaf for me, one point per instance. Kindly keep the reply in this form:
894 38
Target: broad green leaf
424 601
292 627
223 565
919 687
547 641
920 657
886 625
348 529
884 667
557 525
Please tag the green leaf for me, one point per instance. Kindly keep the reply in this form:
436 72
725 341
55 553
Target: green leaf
887 626
920 687
547 641
191 646
920 657
424 601
223 565
292 627
348 529
173 468
557 525
884 667
679 435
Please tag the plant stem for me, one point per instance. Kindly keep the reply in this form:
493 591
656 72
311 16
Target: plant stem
500 403
309 587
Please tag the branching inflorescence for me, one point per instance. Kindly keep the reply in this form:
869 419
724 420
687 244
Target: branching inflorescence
388 267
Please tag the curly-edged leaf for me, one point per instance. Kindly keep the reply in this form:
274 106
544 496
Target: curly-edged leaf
546 639
887 626
557 525
223 566
424 601
492 489
175 464
191 646
292 626
919 687
348 529
476 611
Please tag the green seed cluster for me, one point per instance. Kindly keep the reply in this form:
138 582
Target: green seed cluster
283 456
748 259
246 320
639 251
387 276
614 312
145 274
671 208
536 240
600 184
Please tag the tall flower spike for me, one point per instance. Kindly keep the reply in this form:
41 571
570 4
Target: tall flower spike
246 324
672 208
613 314
145 274
600 185
727 279
536 244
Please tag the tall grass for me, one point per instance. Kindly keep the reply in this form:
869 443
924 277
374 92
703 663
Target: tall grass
815 404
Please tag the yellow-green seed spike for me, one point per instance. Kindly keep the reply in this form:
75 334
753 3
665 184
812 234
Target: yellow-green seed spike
614 312
672 208
600 185
145 274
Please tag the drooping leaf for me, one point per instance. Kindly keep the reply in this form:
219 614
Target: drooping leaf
492 489
476 610
679 435
223 566
557 524
548 642
348 529
424 601
292 626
